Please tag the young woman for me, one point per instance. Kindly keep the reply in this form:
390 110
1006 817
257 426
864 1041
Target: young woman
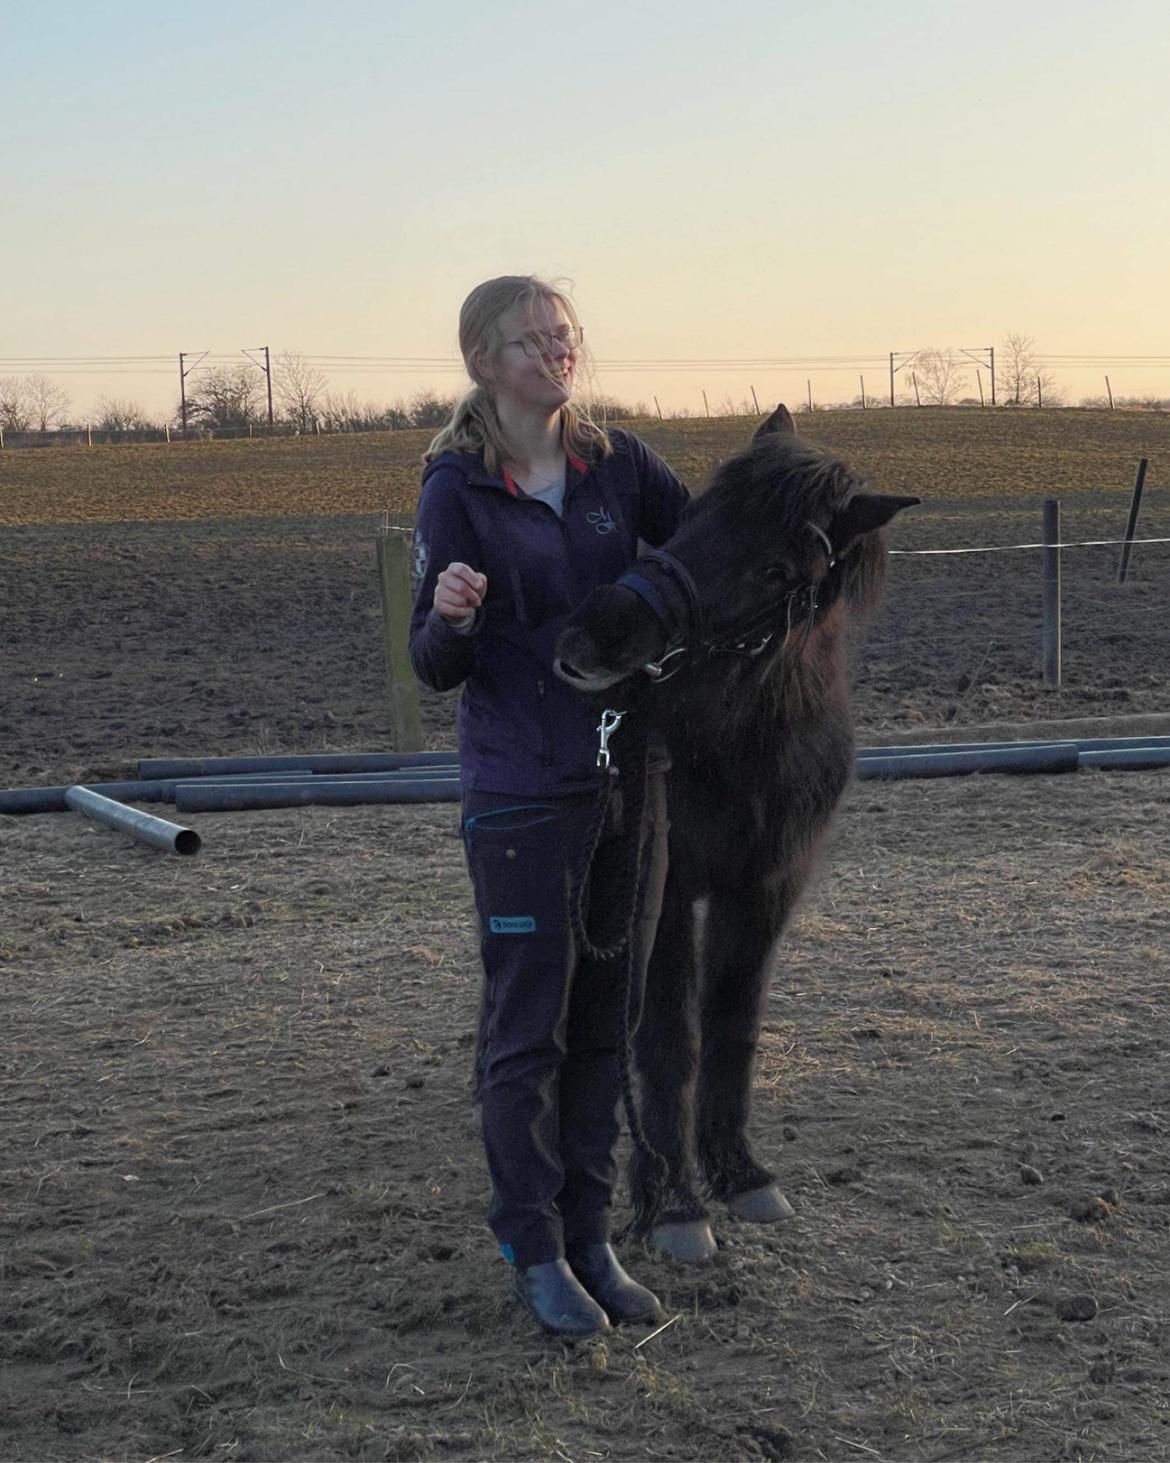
527 505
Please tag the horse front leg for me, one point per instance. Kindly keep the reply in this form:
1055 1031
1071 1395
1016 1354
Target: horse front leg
742 928
664 1187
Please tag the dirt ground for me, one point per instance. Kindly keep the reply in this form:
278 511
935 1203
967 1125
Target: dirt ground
240 1200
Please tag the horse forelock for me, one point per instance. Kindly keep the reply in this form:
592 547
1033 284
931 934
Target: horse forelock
770 493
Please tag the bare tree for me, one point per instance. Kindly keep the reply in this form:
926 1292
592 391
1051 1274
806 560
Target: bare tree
49 402
428 409
15 408
1016 367
299 388
1026 381
940 376
341 411
112 414
604 408
224 397
395 417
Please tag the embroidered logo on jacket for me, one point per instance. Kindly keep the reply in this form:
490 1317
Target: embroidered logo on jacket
601 521
420 561
512 924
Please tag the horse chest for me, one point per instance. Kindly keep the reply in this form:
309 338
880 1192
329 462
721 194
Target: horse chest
743 808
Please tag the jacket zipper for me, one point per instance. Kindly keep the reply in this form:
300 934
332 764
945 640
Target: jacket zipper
545 737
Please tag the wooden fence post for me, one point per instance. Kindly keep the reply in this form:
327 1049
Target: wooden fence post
1052 592
1135 505
395 560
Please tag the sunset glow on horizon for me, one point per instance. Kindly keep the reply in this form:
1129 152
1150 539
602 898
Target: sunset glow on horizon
755 195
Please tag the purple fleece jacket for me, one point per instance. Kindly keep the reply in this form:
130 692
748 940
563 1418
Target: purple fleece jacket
521 730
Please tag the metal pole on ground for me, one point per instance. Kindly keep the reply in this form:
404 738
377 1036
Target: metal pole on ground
1131 527
186 768
395 561
1052 592
145 827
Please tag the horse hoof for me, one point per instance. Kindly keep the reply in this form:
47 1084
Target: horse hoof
689 1241
761 1206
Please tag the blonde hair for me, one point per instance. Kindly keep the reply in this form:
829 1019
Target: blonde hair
475 424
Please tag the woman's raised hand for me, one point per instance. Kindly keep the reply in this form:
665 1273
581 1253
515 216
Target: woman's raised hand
459 592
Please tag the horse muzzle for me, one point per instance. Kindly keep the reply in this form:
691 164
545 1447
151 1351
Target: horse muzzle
581 680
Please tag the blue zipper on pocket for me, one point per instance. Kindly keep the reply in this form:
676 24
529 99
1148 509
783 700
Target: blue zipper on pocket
486 817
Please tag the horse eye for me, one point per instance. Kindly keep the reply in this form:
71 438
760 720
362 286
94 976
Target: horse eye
774 571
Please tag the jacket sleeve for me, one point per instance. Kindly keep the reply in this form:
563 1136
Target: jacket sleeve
442 657
663 498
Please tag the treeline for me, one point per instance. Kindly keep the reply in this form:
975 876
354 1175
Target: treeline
233 401
236 400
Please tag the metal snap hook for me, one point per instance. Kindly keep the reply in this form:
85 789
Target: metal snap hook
610 721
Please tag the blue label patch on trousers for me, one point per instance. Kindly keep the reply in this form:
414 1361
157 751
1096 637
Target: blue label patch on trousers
512 924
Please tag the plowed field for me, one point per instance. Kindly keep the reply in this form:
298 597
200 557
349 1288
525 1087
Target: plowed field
240 1201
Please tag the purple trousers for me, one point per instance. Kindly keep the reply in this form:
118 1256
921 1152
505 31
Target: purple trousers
548 1059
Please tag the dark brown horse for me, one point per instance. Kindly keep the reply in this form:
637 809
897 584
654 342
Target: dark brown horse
741 623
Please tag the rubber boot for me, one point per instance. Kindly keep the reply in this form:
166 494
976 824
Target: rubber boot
623 1299
555 1299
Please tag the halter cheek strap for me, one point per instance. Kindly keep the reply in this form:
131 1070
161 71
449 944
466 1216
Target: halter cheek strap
673 596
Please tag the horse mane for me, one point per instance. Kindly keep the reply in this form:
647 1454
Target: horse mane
781 483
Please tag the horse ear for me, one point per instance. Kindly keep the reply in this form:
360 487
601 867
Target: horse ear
779 421
865 512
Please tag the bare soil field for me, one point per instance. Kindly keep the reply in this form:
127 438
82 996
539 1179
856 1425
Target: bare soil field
940 454
240 1199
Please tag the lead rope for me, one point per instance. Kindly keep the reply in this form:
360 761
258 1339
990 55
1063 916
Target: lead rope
631 778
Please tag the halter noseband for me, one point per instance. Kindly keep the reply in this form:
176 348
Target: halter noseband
673 595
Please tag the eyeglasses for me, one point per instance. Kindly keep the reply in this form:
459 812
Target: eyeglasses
539 343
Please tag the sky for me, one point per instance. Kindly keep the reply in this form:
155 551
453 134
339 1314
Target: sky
793 188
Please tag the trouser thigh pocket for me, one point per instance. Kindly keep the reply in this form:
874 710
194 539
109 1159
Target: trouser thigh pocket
515 855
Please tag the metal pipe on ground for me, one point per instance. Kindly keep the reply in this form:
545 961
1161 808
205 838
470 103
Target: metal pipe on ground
1082 744
934 760
19 800
143 827
1126 759
1056 757
209 797
187 767
402 774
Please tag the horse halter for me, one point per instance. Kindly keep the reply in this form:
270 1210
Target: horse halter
671 592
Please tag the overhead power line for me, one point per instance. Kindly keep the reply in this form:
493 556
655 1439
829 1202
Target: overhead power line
852 358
